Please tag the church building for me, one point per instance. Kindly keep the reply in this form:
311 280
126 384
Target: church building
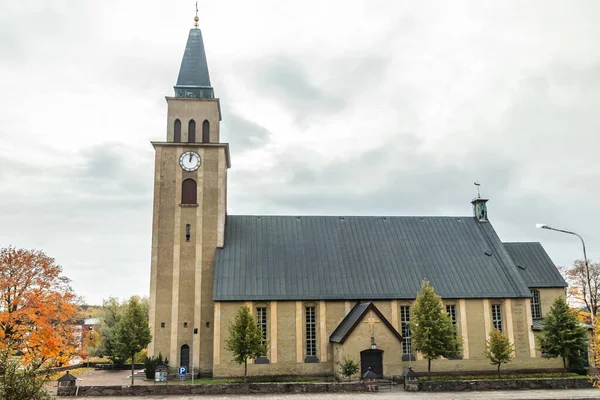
322 288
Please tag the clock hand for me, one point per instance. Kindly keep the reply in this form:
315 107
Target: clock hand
190 157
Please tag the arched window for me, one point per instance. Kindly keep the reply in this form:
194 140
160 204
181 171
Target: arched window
205 131
188 192
536 305
192 131
177 131
184 357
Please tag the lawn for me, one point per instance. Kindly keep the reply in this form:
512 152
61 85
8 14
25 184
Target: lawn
75 371
255 379
505 376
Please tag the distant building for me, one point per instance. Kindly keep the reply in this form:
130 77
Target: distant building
321 287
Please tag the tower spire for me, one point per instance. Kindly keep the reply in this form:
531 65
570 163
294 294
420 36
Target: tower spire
193 80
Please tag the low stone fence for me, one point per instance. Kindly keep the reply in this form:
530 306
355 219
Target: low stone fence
504 384
237 388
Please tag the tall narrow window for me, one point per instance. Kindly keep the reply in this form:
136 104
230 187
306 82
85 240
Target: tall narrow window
205 131
261 320
188 232
177 131
311 332
406 341
188 192
451 310
536 306
497 316
192 131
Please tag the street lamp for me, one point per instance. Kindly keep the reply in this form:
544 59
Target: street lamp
587 270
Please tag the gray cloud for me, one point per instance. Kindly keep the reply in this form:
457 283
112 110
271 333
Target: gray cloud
397 115
242 134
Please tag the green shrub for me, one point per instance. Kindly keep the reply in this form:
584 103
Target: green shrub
349 367
17 382
150 364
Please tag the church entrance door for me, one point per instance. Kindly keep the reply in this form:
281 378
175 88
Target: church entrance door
184 358
372 359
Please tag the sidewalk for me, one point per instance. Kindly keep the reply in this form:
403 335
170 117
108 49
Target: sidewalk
492 395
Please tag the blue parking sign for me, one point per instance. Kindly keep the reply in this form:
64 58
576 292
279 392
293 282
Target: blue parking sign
182 372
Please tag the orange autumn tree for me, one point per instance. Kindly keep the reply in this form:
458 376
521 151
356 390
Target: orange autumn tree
37 308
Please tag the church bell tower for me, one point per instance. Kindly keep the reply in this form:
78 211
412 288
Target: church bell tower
190 204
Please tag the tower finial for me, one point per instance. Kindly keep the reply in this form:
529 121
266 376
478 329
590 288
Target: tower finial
196 17
477 184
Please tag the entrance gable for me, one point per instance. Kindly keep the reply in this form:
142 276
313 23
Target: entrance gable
360 312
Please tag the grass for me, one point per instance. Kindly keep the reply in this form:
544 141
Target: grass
75 372
255 379
505 376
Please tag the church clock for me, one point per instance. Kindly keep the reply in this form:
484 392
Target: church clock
190 161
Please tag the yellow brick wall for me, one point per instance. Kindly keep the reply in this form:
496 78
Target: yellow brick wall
182 272
287 340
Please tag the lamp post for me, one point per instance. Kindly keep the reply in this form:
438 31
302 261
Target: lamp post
587 266
194 332
587 275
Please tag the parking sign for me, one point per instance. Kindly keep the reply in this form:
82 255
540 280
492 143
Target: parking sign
182 371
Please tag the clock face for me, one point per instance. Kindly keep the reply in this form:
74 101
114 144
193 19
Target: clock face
189 161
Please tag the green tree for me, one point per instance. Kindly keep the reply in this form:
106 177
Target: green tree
110 315
245 338
432 332
348 368
132 333
498 349
562 334
20 383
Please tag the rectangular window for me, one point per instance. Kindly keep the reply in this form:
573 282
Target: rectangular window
404 320
311 332
451 310
536 307
188 232
497 316
261 319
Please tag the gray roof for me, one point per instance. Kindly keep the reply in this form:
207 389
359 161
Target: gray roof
534 264
345 328
193 79
326 257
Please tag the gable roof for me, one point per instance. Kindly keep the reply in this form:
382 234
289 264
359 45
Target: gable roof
345 258
534 264
345 328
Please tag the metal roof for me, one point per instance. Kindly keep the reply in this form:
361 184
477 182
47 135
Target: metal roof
534 264
345 258
345 328
194 79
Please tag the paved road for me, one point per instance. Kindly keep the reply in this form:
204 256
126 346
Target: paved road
496 395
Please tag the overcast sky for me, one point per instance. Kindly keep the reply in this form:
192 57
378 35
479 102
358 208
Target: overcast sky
330 107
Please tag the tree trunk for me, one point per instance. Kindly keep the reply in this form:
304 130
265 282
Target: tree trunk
429 369
132 363
245 369
565 363
499 370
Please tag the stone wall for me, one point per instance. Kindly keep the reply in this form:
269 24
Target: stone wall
506 384
236 389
